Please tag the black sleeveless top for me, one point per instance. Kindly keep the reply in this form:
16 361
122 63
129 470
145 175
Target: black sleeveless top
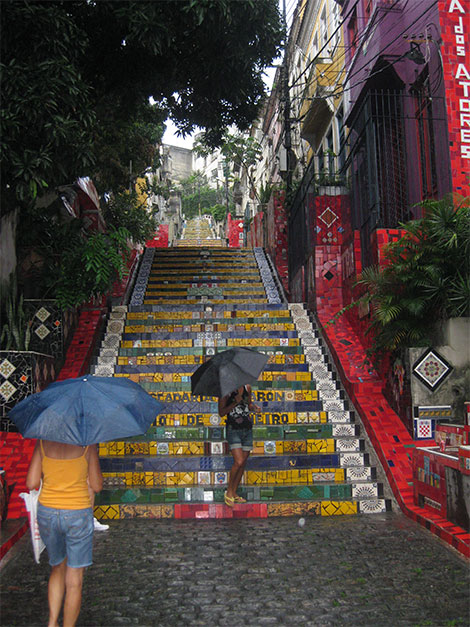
239 417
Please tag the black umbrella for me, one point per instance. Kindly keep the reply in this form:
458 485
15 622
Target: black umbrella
227 371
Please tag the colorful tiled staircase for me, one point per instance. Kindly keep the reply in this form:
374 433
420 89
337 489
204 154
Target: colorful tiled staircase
308 456
198 232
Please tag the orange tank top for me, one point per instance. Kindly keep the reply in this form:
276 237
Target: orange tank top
65 482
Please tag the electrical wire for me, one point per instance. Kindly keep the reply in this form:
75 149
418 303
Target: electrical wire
370 61
366 32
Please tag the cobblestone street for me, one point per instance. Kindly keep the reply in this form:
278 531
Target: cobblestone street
369 571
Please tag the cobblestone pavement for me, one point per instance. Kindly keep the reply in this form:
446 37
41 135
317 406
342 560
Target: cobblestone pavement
367 571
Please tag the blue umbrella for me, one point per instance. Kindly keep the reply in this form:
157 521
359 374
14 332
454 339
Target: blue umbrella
86 410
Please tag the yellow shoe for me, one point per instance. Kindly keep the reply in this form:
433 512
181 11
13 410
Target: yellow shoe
229 500
239 499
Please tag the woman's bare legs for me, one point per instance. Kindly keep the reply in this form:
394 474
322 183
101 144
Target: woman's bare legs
236 472
55 592
73 595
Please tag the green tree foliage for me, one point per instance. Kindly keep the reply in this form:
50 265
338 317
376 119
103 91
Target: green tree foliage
219 212
426 278
197 197
90 267
125 211
77 78
47 117
240 153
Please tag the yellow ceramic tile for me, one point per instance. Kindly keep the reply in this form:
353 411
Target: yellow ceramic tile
295 446
326 445
196 448
159 479
272 477
167 511
107 512
188 479
338 508
171 478
340 474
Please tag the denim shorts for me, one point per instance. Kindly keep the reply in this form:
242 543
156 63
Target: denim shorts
239 438
67 533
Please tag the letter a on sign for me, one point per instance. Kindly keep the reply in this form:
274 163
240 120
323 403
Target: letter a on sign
462 71
455 4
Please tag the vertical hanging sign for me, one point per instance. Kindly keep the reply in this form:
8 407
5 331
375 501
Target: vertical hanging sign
454 17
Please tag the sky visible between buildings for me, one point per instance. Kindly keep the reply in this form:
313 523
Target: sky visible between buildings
171 134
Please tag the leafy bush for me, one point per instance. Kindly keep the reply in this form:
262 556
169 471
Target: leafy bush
90 266
425 279
125 211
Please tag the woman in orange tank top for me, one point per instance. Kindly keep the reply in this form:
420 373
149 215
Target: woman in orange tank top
69 475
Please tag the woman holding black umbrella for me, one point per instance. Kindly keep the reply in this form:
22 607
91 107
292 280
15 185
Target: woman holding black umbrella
239 433
65 517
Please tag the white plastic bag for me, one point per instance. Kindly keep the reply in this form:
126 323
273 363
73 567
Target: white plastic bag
31 502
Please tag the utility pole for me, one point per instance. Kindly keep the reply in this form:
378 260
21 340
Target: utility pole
286 97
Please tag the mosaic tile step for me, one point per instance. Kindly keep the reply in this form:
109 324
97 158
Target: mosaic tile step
215 493
179 412
202 447
250 342
288 391
260 432
206 310
277 315
132 333
289 463
207 510
151 326
179 288
181 381
185 419
185 366
276 354
210 265
261 479
180 280
210 294
184 404
242 300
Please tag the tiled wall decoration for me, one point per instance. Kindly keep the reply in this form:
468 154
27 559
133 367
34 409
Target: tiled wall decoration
431 369
50 326
22 373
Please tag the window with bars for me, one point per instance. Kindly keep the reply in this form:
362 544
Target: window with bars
378 164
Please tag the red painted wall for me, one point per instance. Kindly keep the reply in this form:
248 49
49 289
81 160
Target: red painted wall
160 239
234 232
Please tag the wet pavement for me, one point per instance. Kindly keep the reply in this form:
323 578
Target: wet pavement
369 571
